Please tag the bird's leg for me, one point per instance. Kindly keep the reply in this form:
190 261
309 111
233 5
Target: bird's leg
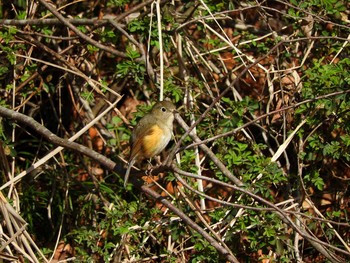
157 158
149 167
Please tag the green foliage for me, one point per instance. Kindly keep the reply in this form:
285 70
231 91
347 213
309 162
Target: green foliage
174 91
325 78
258 230
88 96
328 7
314 178
95 243
3 70
332 112
8 34
203 251
131 68
47 31
150 31
120 131
31 209
117 3
108 35
253 166
138 25
217 6
92 49
100 218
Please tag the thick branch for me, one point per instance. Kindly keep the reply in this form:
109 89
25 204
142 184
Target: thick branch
47 134
109 164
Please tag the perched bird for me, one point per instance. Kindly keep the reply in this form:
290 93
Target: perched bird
151 134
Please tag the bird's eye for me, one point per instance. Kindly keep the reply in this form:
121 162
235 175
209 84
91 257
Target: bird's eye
163 109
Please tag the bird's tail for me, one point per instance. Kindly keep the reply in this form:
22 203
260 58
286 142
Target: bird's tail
127 173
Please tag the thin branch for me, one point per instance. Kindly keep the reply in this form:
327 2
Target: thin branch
263 116
54 21
190 223
218 98
209 152
79 33
318 244
109 164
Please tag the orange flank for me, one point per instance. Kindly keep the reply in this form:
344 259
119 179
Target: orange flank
151 142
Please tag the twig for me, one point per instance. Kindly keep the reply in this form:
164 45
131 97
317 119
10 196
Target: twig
235 82
209 152
54 21
143 58
79 33
190 223
229 133
318 244
28 121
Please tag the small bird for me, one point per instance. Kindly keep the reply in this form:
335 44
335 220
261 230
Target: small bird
151 134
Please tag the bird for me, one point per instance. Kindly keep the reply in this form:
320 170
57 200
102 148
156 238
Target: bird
151 134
